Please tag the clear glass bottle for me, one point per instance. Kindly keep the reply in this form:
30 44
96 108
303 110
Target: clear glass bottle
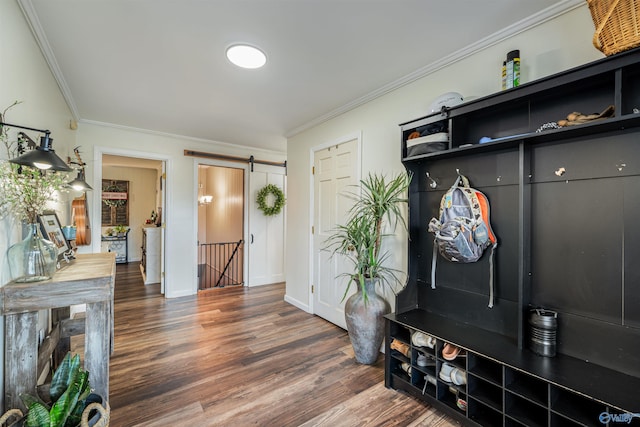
33 259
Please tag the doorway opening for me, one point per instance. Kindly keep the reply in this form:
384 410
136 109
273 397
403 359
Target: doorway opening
132 201
220 227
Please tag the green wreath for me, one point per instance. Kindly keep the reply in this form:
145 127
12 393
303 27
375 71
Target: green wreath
114 202
278 202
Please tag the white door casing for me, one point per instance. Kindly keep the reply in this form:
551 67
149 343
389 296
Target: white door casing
266 240
335 168
163 186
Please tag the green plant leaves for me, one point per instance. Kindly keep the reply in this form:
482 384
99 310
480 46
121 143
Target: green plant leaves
69 390
38 416
65 405
359 239
63 376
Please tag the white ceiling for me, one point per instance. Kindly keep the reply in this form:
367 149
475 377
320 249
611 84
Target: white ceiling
159 64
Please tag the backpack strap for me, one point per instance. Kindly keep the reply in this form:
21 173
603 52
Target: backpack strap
461 182
491 278
434 258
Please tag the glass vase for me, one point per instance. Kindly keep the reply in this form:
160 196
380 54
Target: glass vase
33 259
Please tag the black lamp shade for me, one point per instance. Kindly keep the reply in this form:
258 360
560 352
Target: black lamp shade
43 157
79 184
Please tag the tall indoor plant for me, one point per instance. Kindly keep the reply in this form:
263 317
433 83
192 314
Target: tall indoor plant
378 204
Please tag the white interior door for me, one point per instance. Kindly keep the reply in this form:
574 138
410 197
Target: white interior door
265 243
335 168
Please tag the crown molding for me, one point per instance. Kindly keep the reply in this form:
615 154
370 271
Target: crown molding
183 137
532 21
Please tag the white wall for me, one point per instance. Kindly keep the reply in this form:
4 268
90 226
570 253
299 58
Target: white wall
25 77
550 47
181 212
142 200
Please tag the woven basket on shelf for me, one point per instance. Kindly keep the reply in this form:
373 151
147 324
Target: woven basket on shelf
617 25
102 420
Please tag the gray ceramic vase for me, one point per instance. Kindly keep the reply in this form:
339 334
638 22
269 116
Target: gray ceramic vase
365 322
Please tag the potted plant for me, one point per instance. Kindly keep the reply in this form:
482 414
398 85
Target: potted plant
377 205
71 401
120 230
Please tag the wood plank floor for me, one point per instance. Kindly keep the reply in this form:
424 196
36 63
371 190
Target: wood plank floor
241 356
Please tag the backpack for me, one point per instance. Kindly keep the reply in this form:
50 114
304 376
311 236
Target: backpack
463 231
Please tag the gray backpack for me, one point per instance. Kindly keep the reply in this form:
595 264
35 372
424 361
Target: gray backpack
463 231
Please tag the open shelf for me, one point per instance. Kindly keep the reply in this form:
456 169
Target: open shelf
482 414
524 411
528 387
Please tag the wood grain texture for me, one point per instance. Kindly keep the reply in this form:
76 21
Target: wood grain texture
87 279
241 356
21 358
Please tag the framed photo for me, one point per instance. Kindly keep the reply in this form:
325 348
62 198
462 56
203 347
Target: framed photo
51 230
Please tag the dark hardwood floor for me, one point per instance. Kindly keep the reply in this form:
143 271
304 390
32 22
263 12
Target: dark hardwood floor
241 356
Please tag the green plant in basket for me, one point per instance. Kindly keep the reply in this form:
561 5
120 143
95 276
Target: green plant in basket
69 391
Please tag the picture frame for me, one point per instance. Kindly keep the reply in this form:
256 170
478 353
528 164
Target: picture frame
52 231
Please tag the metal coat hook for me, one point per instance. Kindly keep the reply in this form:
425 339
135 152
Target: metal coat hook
458 171
432 182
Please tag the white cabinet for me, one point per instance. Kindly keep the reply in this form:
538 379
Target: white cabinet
151 253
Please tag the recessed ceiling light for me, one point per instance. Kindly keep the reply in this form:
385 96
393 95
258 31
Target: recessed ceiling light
246 56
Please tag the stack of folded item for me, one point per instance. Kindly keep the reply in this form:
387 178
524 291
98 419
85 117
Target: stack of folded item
428 139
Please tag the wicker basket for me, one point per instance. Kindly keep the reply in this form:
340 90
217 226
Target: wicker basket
617 25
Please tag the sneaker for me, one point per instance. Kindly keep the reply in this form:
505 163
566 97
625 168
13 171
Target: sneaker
458 376
422 340
422 360
445 372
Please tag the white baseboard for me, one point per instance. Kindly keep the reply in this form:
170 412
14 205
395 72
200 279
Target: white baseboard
294 302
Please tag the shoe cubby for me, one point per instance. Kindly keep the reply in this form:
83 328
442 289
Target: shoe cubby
575 407
399 372
482 414
427 384
527 386
449 394
485 391
558 420
460 360
524 411
485 369
424 361
400 333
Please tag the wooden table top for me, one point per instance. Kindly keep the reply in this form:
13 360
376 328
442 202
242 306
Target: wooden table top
87 279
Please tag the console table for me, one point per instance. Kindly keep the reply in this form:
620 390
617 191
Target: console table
89 280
